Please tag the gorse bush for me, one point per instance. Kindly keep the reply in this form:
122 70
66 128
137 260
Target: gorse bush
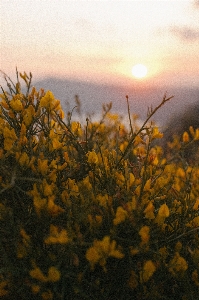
186 121
94 211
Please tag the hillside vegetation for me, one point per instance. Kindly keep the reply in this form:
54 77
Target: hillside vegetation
94 210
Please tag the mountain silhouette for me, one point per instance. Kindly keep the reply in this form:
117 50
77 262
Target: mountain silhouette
93 96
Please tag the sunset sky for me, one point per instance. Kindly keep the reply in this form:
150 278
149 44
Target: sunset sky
100 41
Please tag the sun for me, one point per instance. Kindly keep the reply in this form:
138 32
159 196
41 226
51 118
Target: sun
139 71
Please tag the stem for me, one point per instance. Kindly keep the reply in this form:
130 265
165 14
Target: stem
127 99
142 127
183 234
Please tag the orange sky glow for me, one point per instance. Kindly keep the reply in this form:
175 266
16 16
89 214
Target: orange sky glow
100 41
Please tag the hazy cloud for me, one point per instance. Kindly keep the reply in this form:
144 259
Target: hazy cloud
185 33
196 4
84 25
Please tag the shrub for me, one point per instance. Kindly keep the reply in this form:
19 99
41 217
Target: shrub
184 123
92 211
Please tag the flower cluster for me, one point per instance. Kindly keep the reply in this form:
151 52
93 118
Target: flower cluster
95 210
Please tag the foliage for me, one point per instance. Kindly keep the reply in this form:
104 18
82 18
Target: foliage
93 211
185 121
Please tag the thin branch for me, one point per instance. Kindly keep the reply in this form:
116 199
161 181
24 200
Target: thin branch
142 127
127 99
183 234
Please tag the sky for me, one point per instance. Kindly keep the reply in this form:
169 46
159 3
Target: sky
100 41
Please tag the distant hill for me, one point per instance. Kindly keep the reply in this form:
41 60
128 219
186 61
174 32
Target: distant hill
92 96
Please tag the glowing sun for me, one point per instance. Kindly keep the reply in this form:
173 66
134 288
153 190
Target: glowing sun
139 71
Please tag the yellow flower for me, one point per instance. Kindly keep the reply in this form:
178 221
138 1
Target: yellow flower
53 274
56 144
138 140
53 208
180 173
16 103
8 143
98 219
3 286
53 176
196 137
23 139
3 102
191 129
48 101
85 185
185 137
39 202
144 233
57 236
131 179
36 273
156 134
25 236
178 246
163 252
195 221
123 146
112 117
133 280
109 247
120 216
47 295
163 211
48 188
194 276
102 199
55 140
196 205
104 244
93 256
9 138
92 157
61 114
42 166
133 251
35 288
24 159
76 128
147 272
72 186
133 203
101 250
155 161
149 211
120 178
24 76
28 115
147 185
177 264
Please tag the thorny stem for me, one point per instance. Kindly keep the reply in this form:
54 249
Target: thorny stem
142 127
72 135
106 111
127 99
183 234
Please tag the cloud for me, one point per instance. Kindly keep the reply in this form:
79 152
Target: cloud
84 25
196 4
185 33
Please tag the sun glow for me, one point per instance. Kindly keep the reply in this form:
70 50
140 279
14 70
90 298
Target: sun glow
139 71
